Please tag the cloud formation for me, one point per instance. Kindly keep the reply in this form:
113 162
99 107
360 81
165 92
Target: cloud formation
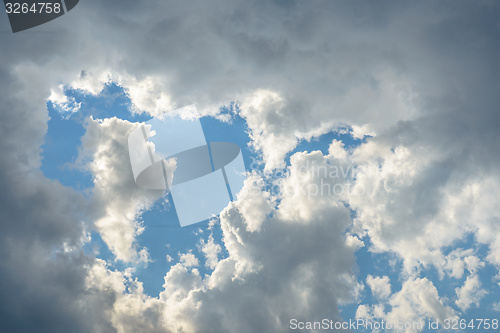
419 77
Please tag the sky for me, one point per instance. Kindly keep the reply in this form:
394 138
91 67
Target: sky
369 132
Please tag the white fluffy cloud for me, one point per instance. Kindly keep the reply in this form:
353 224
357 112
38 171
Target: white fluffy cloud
415 204
189 260
211 251
380 286
418 299
470 293
409 308
118 202
271 275
63 103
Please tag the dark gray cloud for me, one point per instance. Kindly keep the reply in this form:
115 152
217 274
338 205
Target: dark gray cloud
42 267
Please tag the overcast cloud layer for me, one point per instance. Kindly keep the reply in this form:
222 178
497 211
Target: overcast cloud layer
420 78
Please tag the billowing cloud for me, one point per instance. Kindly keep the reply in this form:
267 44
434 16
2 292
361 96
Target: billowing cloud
417 300
117 201
470 293
380 286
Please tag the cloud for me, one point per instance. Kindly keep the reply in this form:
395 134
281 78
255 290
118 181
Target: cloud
124 297
380 286
417 301
348 77
43 228
211 251
286 268
117 201
496 306
188 260
470 293
63 103
278 264
422 77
